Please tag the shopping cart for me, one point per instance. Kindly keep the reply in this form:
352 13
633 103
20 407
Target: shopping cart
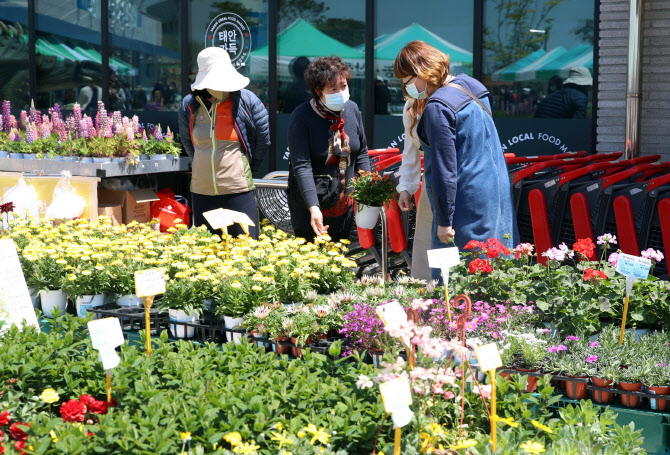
655 225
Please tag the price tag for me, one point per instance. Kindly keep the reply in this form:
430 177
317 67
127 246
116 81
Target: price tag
488 357
444 259
242 219
397 397
633 266
218 219
393 315
106 335
149 282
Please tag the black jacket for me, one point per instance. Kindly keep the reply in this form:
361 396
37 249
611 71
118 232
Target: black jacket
566 102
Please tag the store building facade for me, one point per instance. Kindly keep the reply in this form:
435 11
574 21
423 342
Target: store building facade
139 56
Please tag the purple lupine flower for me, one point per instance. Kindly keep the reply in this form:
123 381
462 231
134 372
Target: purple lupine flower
157 133
62 134
117 123
13 134
6 115
125 121
84 129
12 122
136 123
35 115
169 136
76 112
71 126
57 108
30 134
130 134
24 119
45 131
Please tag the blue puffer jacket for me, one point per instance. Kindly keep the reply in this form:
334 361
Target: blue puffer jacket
464 165
251 124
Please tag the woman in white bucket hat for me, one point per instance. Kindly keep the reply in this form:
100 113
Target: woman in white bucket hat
224 129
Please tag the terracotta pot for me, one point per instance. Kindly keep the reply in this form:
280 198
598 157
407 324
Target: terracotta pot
576 390
531 382
656 403
598 395
297 352
281 349
630 401
506 376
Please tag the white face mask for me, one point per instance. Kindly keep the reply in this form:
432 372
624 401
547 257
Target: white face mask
216 93
336 101
413 92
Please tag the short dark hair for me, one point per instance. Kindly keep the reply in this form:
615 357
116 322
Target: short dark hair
323 71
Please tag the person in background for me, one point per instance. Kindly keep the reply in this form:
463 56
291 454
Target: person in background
297 92
382 96
555 83
327 147
571 100
139 98
465 171
225 131
410 182
156 102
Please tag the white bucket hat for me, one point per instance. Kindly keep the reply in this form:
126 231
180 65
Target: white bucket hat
579 75
216 72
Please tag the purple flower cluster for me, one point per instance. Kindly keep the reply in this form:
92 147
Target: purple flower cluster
558 348
6 115
363 327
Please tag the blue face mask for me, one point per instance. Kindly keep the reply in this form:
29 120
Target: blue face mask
414 93
336 101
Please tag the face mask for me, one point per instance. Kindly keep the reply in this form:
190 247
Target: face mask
336 101
215 93
413 92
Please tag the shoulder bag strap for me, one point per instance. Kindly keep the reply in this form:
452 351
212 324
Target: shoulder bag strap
467 92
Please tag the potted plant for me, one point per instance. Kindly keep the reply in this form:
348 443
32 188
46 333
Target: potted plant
275 326
86 284
48 274
630 380
574 366
533 351
364 329
657 382
371 191
184 304
255 322
604 376
122 284
303 327
233 300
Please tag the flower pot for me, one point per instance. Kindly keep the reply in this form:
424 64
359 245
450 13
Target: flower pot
129 300
29 156
178 330
230 322
296 351
144 157
656 403
367 216
630 401
102 159
86 302
377 355
280 348
598 395
69 158
160 156
531 381
259 343
86 159
506 376
576 390
118 159
55 158
207 303
18 156
34 297
4 154
52 300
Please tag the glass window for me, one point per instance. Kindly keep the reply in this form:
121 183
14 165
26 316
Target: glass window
426 21
14 75
68 54
315 29
145 55
529 48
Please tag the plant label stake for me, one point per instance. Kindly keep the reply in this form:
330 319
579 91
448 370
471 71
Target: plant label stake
106 335
489 359
148 284
393 315
444 259
397 397
633 267
222 218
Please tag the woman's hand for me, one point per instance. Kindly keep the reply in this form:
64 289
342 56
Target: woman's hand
446 234
317 220
405 201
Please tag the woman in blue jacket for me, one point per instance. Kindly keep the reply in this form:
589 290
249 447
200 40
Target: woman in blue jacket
224 129
465 170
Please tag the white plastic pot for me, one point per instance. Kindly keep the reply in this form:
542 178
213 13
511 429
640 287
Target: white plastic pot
129 300
230 322
178 330
52 300
367 216
86 302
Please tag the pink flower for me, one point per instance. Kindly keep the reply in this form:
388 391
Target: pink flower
552 349
523 249
591 358
483 390
594 344
606 239
653 254
613 259
562 347
572 337
449 395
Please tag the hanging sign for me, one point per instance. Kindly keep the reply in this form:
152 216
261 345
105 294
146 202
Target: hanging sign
231 33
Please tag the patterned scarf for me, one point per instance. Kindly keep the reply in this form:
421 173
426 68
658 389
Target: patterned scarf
338 153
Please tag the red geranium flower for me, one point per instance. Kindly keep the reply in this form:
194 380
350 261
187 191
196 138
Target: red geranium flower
584 247
591 274
98 407
87 399
4 418
17 433
19 446
73 411
480 265
473 245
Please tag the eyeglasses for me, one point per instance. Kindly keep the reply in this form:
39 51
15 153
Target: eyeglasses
405 84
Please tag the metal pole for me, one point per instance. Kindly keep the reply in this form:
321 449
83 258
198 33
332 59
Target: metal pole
385 245
633 84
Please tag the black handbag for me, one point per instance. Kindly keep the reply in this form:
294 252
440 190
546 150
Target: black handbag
327 183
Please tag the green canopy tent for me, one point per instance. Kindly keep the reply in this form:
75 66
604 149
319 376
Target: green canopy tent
387 49
508 73
302 39
581 55
527 73
63 52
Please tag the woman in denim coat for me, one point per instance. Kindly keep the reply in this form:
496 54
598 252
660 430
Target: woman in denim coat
466 175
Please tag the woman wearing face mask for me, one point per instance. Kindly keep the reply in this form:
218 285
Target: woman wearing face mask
327 147
224 129
465 171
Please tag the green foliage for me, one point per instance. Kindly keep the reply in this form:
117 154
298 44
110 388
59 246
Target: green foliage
208 390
